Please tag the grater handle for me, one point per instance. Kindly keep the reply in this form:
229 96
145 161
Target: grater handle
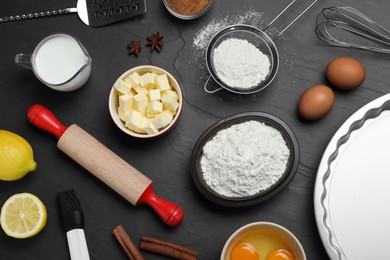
37 15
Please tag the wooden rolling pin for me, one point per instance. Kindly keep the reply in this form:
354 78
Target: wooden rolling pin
104 164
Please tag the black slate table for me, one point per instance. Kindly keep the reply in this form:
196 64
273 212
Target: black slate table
206 226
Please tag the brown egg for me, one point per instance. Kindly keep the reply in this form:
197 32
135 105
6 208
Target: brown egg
345 73
316 102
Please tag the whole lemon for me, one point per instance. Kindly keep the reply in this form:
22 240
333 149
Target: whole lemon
16 156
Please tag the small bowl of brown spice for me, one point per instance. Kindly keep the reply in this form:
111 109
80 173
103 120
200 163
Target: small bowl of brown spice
187 9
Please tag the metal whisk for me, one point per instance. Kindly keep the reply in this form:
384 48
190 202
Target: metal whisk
348 27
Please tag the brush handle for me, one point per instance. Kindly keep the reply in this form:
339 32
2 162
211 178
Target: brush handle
77 244
105 165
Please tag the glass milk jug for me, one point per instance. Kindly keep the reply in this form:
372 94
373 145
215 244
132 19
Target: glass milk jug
59 61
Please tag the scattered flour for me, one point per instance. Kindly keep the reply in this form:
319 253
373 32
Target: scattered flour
204 35
239 64
244 159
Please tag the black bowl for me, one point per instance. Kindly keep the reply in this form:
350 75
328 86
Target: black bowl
269 120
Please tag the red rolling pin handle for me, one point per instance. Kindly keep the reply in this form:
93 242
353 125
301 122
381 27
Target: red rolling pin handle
170 213
44 119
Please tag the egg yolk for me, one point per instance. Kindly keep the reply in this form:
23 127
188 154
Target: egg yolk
244 251
280 254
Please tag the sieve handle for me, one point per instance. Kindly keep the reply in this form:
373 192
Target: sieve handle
210 91
289 25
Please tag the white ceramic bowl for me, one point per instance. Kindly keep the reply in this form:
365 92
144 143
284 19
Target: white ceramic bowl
296 246
113 102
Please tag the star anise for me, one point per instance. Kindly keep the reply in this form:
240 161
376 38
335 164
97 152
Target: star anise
155 42
134 47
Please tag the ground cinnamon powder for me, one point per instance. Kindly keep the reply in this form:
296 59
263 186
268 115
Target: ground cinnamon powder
188 7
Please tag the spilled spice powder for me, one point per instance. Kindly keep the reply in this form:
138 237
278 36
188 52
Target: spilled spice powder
188 7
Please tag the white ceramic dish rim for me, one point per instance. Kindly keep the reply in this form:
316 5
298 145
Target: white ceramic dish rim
261 224
113 108
370 112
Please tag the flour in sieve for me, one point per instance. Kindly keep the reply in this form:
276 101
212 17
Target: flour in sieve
239 64
222 20
244 159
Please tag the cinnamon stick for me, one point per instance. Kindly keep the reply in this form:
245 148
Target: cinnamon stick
167 251
127 244
170 244
166 248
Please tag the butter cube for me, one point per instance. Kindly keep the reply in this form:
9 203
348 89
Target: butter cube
171 93
134 121
126 101
140 101
148 127
141 90
122 114
170 102
122 87
162 120
154 94
155 107
125 105
162 82
133 79
147 80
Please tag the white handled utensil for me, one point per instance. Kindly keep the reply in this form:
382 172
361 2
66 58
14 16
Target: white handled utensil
94 13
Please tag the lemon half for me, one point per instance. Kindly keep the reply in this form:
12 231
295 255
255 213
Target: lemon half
16 156
23 215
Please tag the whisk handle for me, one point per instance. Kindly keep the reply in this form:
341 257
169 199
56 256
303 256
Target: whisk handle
37 15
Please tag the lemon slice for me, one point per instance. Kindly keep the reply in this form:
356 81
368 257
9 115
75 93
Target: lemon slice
23 215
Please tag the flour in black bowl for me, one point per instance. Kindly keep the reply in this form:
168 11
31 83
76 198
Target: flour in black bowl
244 159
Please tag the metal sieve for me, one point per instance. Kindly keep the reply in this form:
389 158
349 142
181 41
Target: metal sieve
256 37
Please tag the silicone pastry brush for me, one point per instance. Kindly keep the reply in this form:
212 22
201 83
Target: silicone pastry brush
105 164
73 223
